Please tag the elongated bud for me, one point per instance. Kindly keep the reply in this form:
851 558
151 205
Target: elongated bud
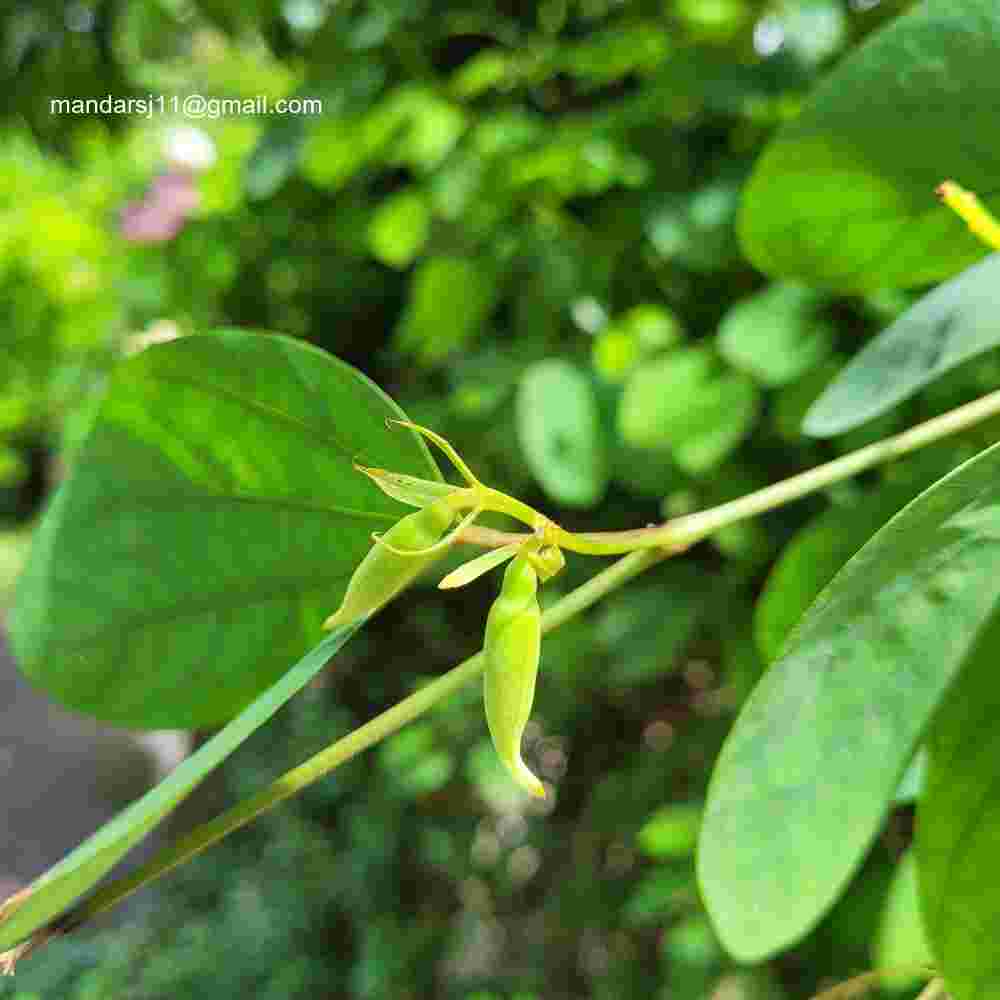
386 570
512 649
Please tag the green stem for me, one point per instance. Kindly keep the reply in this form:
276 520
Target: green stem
344 749
682 532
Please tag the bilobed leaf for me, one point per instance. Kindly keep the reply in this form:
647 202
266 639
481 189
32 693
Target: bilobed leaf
79 871
844 196
776 335
804 779
950 325
559 429
959 828
210 522
690 403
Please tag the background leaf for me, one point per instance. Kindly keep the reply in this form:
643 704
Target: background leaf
236 448
959 823
450 298
776 335
645 630
950 325
80 870
844 196
399 228
691 403
559 429
823 740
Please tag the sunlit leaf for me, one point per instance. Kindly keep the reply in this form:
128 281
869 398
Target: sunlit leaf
844 196
209 524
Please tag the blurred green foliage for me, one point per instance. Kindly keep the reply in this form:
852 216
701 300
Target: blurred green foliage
519 220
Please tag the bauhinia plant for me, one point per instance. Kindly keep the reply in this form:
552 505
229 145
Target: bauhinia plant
224 501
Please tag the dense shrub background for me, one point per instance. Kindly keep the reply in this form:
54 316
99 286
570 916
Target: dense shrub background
520 220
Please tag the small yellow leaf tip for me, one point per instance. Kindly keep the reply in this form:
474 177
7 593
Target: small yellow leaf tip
528 780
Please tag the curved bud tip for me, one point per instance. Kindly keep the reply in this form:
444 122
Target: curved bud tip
445 446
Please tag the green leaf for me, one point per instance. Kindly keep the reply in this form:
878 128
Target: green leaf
640 331
672 831
844 196
690 403
812 558
776 335
210 521
80 870
450 299
950 325
399 228
959 827
803 781
559 429
902 942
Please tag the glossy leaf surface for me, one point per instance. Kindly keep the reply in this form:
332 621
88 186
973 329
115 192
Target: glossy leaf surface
806 775
208 525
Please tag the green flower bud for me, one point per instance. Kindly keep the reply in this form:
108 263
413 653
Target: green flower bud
395 561
512 649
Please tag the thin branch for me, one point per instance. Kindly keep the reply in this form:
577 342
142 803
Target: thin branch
488 538
344 749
